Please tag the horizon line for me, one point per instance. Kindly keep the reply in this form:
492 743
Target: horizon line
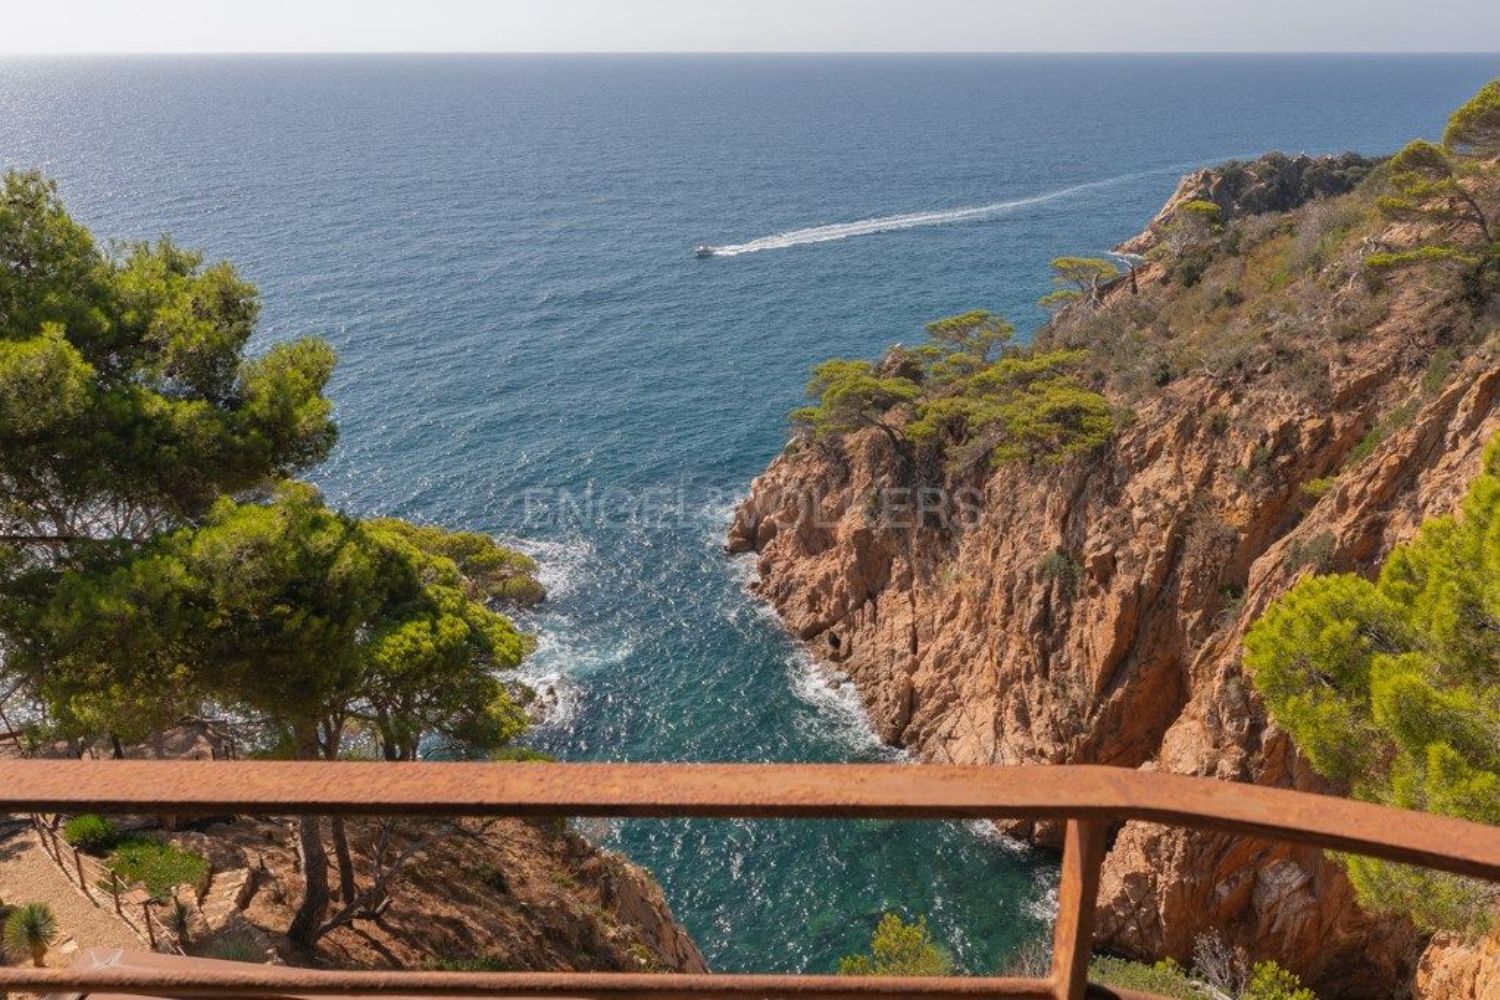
63 53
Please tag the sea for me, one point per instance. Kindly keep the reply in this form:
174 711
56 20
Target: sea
502 249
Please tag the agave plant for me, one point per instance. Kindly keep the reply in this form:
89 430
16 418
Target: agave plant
31 929
180 920
237 946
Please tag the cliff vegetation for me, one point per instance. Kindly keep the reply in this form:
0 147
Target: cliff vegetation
1298 361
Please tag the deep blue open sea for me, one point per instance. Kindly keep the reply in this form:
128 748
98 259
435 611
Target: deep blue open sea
501 250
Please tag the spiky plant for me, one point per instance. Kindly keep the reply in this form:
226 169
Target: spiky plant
236 946
180 920
31 929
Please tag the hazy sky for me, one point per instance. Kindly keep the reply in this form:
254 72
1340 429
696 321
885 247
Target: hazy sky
747 25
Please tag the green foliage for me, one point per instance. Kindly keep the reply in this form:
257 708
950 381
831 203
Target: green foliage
30 930
128 406
1390 260
899 949
970 340
1438 368
155 559
523 755
479 963
297 614
1320 487
966 392
236 947
158 865
91 834
179 919
1075 278
1206 210
1388 425
1391 687
1061 568
1025 407
1164 979
1474 129
489 571
1269 981
1428 185
126 398
851 395
1188 240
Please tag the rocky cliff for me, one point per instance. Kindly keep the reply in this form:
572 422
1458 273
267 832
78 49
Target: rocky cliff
1274 183
504 894
1280 411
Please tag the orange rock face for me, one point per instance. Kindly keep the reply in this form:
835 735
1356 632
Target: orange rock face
1093 612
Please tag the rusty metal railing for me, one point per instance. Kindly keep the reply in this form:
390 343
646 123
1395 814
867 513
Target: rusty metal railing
1087 799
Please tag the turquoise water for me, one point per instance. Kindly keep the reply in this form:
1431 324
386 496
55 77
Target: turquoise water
501 250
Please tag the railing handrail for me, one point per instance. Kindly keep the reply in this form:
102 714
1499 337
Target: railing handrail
763 791
1087 798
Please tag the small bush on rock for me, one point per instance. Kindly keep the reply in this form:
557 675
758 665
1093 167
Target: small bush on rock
91 834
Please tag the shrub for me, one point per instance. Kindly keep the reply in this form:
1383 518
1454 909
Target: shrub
180 920
237 947
157 865
1204 209
1390 260
30 931
478 963
899 949
1270 981
1317 552
1325 226
1438 368
1320 487
1394 421
91 834
1189 269
1059 567
1165 978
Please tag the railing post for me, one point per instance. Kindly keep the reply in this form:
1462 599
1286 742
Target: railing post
114 890
150 929
48 843
83 882
1077 894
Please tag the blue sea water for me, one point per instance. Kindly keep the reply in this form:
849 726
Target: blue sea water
501 250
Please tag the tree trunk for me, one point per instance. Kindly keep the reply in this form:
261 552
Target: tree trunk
119 748
304 928
347 889
39 955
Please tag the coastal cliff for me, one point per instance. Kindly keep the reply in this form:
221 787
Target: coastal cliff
1278 412
505 895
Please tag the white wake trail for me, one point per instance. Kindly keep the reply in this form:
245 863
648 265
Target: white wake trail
913 220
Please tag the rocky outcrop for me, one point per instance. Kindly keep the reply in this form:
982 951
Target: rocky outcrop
1453 969
1274 183
1093 612
509 894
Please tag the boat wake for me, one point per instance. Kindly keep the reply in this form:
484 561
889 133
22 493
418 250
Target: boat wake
914 220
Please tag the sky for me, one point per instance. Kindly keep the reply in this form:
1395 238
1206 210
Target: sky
118 26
